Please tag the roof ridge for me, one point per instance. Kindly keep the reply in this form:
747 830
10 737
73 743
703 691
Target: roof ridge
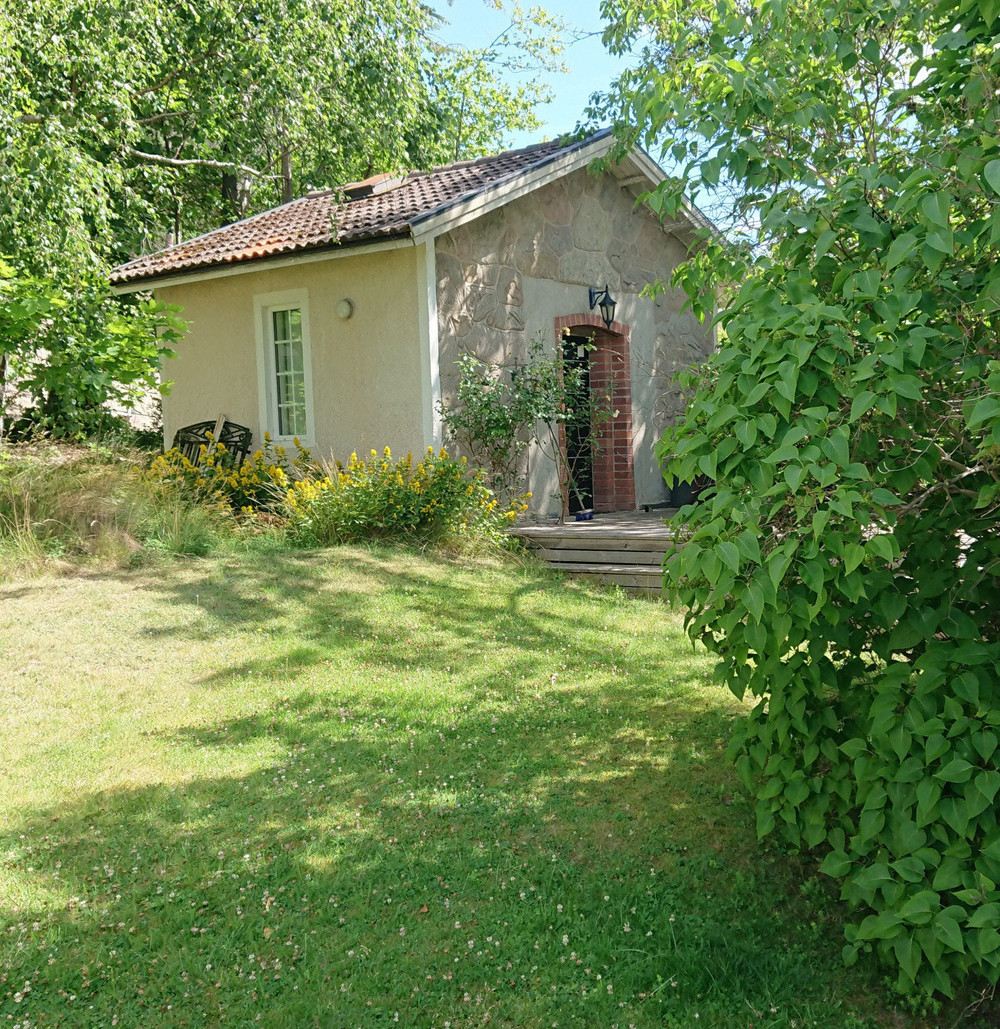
470 162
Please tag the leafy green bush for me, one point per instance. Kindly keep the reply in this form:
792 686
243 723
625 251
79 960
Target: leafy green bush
382 499
71 347
846 568
499 411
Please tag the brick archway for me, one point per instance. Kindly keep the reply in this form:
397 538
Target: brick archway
610 376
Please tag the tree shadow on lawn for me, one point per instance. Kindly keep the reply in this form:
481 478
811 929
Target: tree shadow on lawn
443 621
418 852
283 893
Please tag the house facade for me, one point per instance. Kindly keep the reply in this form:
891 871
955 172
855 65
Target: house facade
338 318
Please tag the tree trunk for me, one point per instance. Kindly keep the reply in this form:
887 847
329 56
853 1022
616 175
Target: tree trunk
286 176
3 392
231 194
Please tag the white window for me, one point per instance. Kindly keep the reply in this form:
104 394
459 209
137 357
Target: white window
284 366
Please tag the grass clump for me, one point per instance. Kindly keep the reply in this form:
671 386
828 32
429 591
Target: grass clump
66 505
366 787
69 505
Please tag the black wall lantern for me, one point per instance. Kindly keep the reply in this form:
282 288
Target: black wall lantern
602 299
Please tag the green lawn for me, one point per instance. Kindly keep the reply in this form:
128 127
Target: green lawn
361 788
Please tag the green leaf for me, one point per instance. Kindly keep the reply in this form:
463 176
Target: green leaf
861 404
854 554
936 746
881 545
872 877
947 931
988 784
985 409
920 908
754 600
882 926
794 474
814 573
987 916
928 795
936 208
901 248
836 864
729 555
908 954
958 770
824 241
991 173
746 433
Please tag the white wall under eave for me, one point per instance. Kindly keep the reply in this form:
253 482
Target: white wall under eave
367 370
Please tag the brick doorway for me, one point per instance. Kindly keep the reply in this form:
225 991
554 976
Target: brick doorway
609 464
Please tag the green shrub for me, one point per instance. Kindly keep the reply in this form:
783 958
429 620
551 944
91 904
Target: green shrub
845 568
500 411
259 483
382 499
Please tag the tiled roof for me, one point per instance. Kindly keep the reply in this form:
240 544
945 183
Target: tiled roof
329 218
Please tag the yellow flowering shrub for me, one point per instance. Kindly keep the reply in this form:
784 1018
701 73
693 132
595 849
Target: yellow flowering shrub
260 482
382 499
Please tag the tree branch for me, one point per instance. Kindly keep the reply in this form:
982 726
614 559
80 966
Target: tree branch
178 162
160 117
950 485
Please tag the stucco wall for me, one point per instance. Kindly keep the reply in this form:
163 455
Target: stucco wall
504 279
366 371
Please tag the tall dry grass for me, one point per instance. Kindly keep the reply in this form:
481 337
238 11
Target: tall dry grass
69 505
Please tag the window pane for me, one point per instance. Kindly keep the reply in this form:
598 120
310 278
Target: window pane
292 421
280 325
289 382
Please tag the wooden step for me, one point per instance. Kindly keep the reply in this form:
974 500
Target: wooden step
603 542
640 578
610 556
626 550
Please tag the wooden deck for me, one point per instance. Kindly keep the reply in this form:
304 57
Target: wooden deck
624 548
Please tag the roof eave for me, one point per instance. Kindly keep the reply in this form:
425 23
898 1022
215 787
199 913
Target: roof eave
306 255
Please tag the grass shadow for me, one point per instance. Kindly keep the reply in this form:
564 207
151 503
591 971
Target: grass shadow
420 790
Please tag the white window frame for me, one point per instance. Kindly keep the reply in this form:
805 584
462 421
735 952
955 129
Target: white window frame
264 304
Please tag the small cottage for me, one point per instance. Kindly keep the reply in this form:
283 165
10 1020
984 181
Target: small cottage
338 318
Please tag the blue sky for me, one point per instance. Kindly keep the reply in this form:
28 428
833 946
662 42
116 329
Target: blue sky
474 23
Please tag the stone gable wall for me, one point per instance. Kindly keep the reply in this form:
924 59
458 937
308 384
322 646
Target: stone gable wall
580 231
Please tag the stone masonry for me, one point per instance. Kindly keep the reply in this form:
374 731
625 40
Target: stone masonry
582 230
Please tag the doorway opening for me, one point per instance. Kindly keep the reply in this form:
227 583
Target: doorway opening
579 434
601 450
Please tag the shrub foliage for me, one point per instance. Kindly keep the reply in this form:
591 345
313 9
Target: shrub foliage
501 411
260 482
846 569
383 499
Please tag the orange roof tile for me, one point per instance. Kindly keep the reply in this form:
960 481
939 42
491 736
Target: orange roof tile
371 211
